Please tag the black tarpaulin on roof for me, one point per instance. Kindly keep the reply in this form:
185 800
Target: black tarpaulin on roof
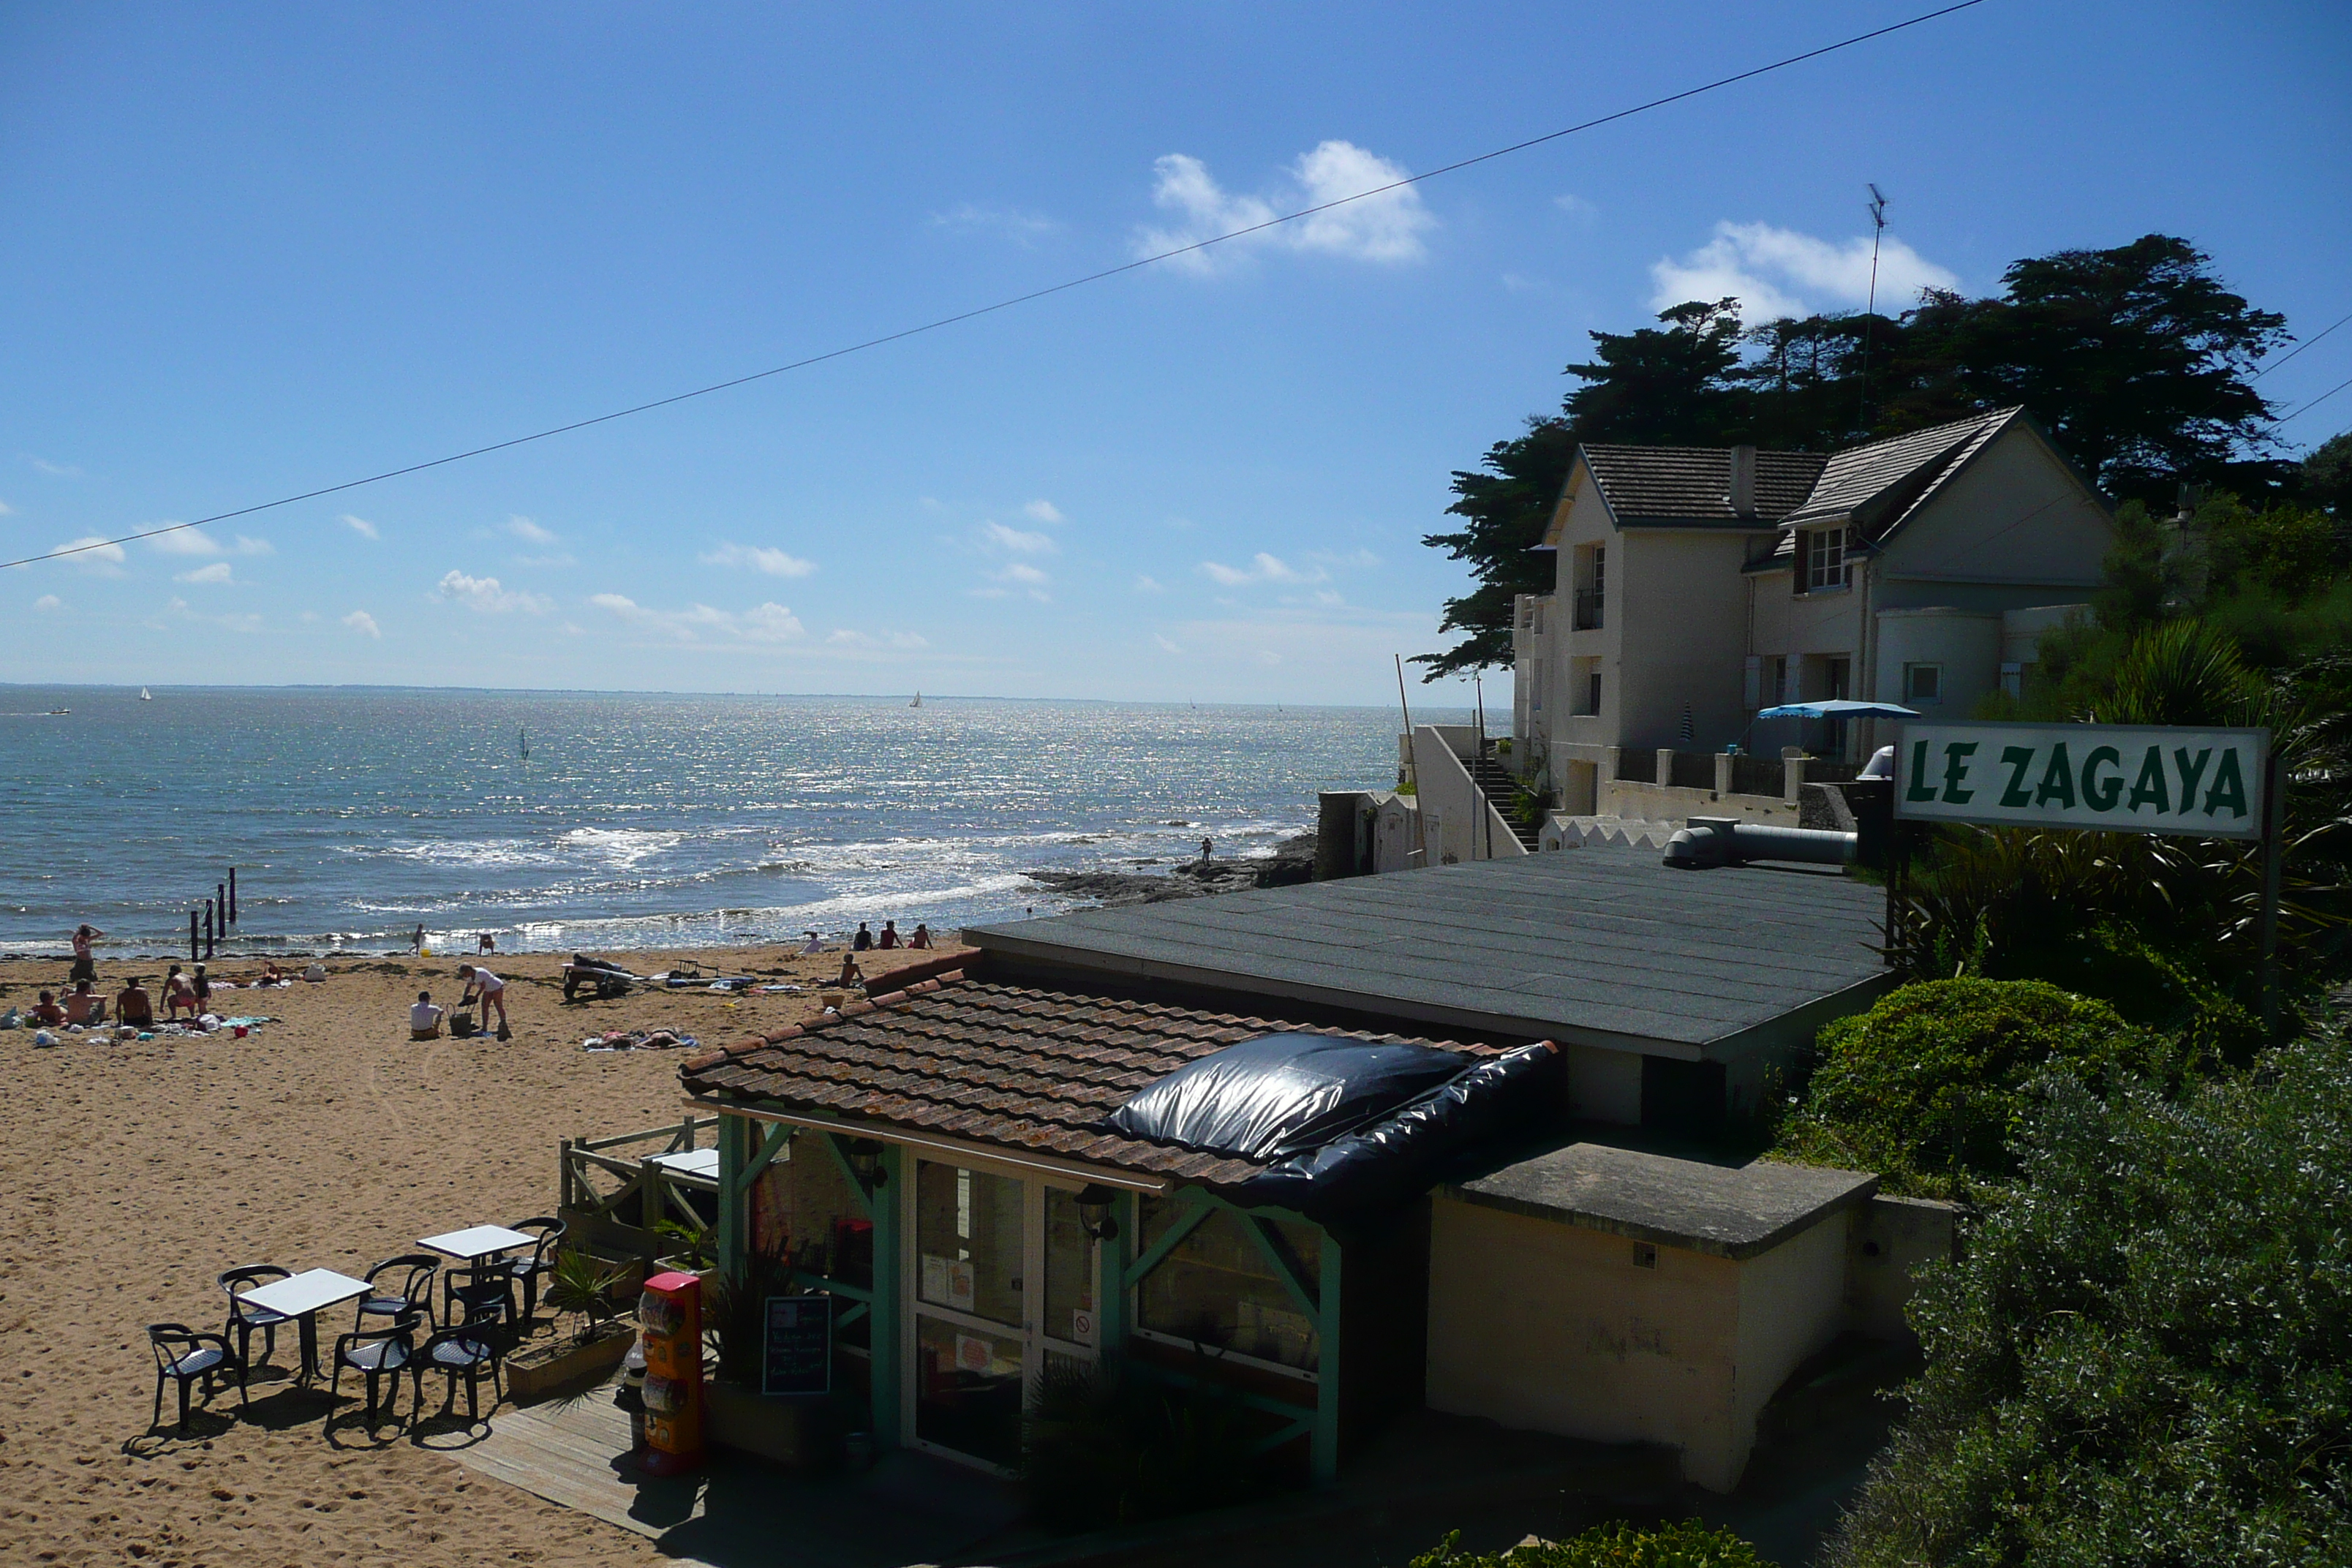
1344 1124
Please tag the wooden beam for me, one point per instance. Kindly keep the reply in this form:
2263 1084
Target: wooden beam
1324 1460
1288 1266
734 1206
1157 1252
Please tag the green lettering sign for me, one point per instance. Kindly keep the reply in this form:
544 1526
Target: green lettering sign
1955 772
2017 759
2101 793
2057 780
1920 788
2229 790
2189 774
2148 788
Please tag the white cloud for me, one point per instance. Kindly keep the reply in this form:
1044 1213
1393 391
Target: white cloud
1044 511
197 542
530 532
1010 223
1360 558
48 602
1165 645
54 470
218 571
1015 540
759 558
1027 576
768 622
486 595
845 638
94 555
1149 585
1263 568
1776 272
1385 227
6 510
362 623
1577 208
561 559
361 526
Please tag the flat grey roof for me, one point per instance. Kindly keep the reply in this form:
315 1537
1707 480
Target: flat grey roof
1732 1212
1604 945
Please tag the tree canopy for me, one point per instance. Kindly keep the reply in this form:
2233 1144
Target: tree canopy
2137 359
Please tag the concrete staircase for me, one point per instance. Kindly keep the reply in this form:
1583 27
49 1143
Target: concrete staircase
1503 791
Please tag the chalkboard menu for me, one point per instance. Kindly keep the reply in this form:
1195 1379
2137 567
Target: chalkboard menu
799 1351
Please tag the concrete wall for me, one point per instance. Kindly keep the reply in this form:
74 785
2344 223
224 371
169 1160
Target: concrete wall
1456 816
1682 606
1666 803
1791 1305
1966 643
2015 517
1891 1240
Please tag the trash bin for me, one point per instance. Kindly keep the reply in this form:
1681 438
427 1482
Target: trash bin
631 1396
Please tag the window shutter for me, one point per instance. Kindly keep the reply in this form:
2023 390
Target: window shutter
1804 558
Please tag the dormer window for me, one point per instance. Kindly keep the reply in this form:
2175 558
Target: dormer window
1823 562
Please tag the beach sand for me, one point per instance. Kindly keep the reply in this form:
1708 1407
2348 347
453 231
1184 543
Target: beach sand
136 1173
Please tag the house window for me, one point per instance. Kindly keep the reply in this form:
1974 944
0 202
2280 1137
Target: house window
1592 585
1923 683
1823 562
1219 1288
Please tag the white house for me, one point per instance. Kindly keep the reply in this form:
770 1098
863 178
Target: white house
1696 585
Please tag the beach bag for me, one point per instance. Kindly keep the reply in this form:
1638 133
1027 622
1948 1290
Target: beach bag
461 1023
315 972
9 1020
505 1033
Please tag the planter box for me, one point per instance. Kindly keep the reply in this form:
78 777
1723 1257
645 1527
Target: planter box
544 1368
796 1430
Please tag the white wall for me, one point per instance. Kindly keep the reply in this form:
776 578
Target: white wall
1684 636
1967 643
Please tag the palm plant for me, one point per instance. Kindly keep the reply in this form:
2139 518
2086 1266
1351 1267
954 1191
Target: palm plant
580 1288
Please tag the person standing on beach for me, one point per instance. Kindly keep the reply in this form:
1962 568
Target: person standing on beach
486 943
203 990
1204 851
417 942
490 990
85 963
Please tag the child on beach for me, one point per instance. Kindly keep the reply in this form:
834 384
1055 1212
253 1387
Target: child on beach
850 973
425 1018
889 937
490 990
46 1013
863 941
922 937
203 990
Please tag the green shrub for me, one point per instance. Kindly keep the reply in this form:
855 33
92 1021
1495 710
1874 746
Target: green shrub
2145 1357
1926 1087
1684 1545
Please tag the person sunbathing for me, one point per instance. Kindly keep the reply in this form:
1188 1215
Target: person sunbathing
47 1011
922 937
84 1005
133 1006
270 973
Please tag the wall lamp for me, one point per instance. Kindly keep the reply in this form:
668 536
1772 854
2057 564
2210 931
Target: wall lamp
866 1161
1094 1212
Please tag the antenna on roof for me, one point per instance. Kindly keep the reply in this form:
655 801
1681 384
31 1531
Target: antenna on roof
1870 312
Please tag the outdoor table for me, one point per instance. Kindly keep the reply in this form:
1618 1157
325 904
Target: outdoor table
692 1163
478 1242
301 1298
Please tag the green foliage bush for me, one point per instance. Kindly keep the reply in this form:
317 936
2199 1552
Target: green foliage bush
1684 1545
1926 1088
2145 1357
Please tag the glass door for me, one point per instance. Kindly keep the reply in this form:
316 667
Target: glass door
1003 1284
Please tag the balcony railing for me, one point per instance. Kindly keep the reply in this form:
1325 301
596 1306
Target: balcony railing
1588 610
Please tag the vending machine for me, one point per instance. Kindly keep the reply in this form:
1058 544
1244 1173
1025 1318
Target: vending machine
669 1320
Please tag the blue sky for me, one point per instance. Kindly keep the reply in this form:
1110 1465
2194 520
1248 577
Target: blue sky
251 250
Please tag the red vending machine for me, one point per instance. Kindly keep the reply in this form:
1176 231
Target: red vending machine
669 1322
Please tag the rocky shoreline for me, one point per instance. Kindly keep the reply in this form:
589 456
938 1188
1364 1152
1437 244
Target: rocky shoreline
1293 860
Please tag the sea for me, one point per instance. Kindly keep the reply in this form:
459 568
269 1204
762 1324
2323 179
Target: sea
353 815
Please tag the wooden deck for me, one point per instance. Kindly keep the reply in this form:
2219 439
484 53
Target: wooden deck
908 1508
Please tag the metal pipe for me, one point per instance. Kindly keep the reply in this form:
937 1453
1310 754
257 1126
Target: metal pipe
1711 841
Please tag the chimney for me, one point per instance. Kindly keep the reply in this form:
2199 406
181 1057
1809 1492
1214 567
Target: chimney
1743 480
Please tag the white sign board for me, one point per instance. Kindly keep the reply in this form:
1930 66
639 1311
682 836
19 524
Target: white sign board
2111 777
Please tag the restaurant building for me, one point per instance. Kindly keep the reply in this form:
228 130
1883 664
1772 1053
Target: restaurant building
1242 1140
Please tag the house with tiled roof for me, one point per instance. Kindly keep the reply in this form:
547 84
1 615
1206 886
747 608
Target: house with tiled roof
1341 1152
1696 586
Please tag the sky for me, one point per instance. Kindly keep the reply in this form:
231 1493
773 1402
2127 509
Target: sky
250 251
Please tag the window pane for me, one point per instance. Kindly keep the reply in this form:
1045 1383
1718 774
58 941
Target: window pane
803 1204
1069 1270
1219 1287
968 1241
967 1391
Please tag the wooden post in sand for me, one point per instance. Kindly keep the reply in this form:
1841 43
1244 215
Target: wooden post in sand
193 954
208 928
220 902
232 895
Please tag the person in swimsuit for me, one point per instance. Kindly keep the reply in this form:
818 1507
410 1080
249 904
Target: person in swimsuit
488 989
132 1006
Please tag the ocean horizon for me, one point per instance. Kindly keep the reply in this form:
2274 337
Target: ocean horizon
354 813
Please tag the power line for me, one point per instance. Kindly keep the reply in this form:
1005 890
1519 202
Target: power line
2298 349
1032 295
2314 402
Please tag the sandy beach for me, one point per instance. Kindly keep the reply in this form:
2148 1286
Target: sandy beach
137 1172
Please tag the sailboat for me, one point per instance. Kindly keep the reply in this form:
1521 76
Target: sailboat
917 703
144 695
522 744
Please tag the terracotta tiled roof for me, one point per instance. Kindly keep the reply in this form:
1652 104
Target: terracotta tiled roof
1027 1069
1692 484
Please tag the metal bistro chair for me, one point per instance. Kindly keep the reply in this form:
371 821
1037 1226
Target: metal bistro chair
397 1285
377 1353
530 1270
185 1356
456 1353
244 1317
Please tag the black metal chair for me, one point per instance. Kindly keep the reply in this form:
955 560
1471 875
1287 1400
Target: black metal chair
456 1353
480 1297
186 1355
530 1270
245 1318
377 1353
397 1285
